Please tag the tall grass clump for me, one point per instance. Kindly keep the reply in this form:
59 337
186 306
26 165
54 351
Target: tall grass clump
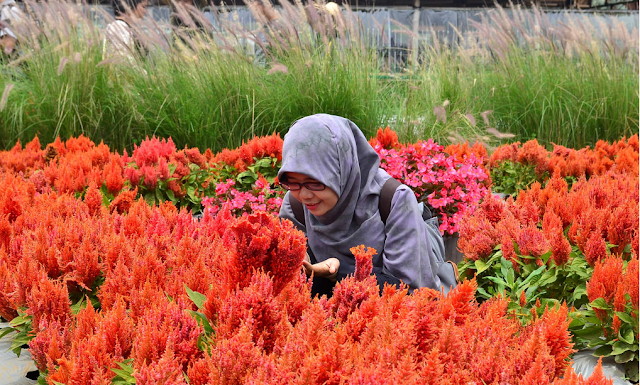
211 93
515 74
61 86
571 83
203 89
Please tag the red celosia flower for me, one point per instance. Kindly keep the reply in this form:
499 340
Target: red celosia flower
8 310
533 153
93 199
627 286
51 343
113 176
194 156
477 237
150 177
506 152
509 251
386 138
133 175
166 371
493 208
123 201
616 324
604 281
560 250
163 169
364 264
47 302
165 327
596 249
254 307
531 242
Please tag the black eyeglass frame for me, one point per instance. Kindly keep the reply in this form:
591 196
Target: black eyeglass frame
311 186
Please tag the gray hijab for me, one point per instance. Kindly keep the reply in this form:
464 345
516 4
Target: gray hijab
333 150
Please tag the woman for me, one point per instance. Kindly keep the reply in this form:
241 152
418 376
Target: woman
119 35
328 165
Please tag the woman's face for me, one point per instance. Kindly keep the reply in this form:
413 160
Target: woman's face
141 9
318 202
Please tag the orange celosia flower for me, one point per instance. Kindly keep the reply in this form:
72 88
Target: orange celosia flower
596 249
113 176
531 242
93 199
123 201
363 261
604 281
477 237
386 138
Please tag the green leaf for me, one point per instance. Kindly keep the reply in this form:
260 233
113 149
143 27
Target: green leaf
480 266
548 278
534 274
150 198
483 293
589 333
578 293
5 331
20 320
626 335
545 257
159 195
576 324
171 195
124 375
497 280
76 307
631 370
624 357
197 298
530 291
620 347
600 303
626 318
202 320
191 192
603 351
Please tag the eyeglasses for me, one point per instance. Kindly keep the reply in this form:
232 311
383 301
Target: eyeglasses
312 186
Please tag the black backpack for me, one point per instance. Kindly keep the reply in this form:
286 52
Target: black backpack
447 271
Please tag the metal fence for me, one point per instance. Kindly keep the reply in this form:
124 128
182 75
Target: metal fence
394 31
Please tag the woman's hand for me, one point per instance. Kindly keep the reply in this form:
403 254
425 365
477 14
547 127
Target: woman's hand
326 269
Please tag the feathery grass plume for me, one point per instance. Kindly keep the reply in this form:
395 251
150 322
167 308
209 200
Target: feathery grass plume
5 96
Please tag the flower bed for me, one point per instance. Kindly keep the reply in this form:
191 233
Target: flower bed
153 296
102 285
554 244
516 166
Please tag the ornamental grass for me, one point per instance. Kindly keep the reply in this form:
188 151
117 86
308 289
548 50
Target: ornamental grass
563 84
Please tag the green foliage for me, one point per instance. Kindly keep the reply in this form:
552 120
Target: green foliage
266 167
22 325
548 283
196 185
592 330
124 375
511 177
533 287
205 340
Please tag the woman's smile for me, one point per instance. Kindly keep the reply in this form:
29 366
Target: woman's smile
318 202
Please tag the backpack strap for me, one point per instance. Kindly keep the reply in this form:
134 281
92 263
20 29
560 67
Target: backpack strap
386 195
296 207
